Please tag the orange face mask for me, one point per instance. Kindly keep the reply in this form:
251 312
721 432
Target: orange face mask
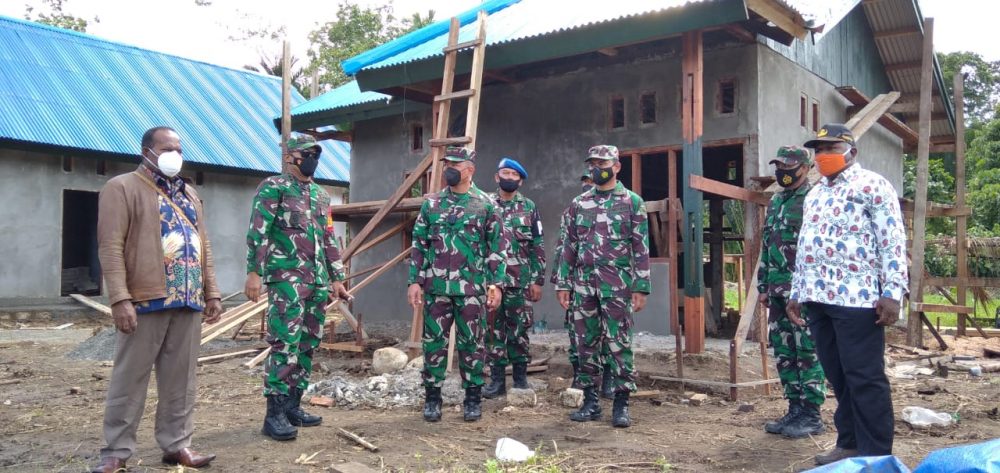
831 163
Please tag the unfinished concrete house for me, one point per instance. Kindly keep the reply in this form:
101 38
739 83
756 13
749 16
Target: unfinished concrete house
73 109
697 95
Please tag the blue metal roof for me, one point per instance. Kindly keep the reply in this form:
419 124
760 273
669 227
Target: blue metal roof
71 90
346 95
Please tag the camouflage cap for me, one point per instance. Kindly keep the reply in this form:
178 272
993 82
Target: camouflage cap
459 154
790 155
605 152
586 174
298 142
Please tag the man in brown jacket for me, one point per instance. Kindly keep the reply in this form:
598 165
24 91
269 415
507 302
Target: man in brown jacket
160 279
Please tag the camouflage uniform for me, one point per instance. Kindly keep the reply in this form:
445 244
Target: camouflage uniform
525 266
798 368
292 246
605 258
458 251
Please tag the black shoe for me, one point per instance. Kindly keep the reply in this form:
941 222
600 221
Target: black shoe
607 383
295 414
498 383
836 455
619 411
775 426
276 423
591 408
432 404
807 423
472 411
520 375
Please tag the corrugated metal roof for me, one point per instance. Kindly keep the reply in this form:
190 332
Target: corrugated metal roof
346 95
526 19
72 90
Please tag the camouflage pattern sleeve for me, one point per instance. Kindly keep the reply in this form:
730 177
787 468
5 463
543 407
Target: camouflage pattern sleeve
419 248
567 255
762 270
265 206
332 251
557 256
537 256
640 245
498 242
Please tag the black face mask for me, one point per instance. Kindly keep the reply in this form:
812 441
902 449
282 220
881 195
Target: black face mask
601 176
509 185
587 187
452 176
786 177
307 165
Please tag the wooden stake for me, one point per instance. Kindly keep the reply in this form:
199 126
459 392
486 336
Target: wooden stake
961 250
451 346
257 359
286 96
914 335
91 303
226 356
358 439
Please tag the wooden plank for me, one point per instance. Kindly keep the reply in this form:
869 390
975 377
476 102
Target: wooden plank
358 209
966 281
745 384
892 33
941 308
694 324
890 122
91 303
344 310
398 195
458 140
961 227
416 331
286 97
914 335
935 209
386 235
225 327
233 314
385 267
673 213
356 438
923 318
451 347
781 16
723 189
476 80
343 346
461 94
226 356
257 359
749 308
903 66
461 46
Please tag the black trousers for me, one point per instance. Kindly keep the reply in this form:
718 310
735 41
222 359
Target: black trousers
851 349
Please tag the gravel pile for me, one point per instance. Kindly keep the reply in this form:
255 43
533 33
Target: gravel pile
402 389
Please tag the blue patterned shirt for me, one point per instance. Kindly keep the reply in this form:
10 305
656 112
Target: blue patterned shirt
181 250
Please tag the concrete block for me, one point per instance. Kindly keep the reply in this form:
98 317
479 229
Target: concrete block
571 397
521 397
322 401
698 399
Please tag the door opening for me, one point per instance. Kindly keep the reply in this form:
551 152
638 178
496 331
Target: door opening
81 269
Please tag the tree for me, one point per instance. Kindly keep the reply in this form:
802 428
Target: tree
55 16
982 82
940 189
271 65
983 155
356 30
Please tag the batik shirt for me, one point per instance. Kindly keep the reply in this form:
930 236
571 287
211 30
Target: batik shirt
181 248
607 243
526 248
852 245
459 246
291 237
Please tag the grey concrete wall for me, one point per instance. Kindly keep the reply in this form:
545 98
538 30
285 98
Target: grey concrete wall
879 150
32 185
548 124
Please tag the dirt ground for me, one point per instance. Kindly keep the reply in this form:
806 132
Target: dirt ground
45 427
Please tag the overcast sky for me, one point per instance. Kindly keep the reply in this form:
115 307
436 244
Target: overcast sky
181 27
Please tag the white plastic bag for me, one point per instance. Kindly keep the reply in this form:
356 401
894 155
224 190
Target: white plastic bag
509 449
923 417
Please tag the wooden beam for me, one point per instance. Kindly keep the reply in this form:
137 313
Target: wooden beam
611 52
386 235
342 346
942 308
723 189
935 209
286 97
915 335
892 33
91 303
226 356
386 267
912 107
943 140
961 224
902 66
723 384
359 209
461 94
692 123
739 32
336 135
781 16
403 190
936 116
476 81
963 281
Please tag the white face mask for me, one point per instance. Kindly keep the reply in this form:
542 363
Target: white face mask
170 162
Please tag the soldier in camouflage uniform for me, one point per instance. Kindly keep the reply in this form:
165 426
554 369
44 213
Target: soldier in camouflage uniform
523 283
458 260
292 249
798 367
606 388
604 275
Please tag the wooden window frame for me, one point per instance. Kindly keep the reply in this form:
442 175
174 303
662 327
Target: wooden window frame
815 115
804 111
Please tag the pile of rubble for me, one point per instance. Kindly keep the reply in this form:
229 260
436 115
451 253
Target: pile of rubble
402 388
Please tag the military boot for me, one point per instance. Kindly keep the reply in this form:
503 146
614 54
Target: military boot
775 426
520 375
473 398
276 423
807 423
608 383
498 383
432 404
295 414
619 411
591 408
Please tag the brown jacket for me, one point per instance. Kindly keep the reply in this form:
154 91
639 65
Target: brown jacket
130 245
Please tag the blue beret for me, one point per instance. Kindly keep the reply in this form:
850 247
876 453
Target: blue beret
510 163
